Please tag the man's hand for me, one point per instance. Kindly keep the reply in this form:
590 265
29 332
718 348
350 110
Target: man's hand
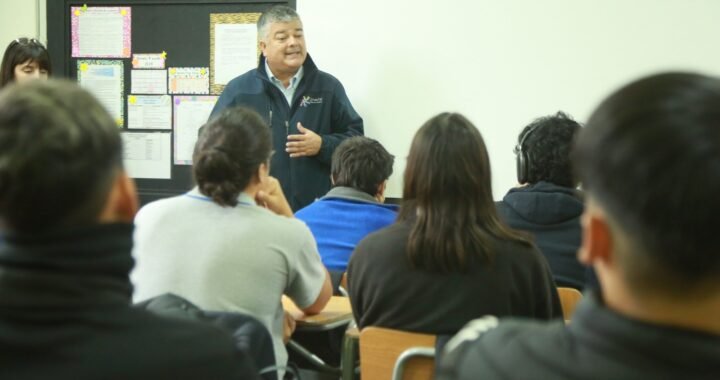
271 197
288 327
306 144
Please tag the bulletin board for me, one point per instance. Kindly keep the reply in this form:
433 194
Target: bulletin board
176 32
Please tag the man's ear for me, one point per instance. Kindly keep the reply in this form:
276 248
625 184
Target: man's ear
263 173
381 188
380 194
262 45
122 202
597 239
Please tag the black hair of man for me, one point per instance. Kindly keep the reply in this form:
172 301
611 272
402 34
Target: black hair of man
361 163
59 154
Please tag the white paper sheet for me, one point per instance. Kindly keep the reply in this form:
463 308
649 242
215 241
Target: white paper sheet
148 81
191 113
149 112
101 32
147 155
189 80
235 51
149 61
104 79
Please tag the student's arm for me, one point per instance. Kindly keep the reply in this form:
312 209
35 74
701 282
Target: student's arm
309 282
273 199
322 299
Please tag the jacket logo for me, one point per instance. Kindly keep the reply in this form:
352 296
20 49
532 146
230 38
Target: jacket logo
306 100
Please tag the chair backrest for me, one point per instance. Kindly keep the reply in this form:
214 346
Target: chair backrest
411 355
569 298
381 347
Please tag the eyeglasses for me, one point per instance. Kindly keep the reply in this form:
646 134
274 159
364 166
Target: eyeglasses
28 41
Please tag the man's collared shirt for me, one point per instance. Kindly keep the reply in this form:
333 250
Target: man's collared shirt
289 92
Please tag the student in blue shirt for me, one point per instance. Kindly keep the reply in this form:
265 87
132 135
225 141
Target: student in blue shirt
354 206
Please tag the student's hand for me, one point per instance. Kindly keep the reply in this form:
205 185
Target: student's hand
288 326
272 198
307 143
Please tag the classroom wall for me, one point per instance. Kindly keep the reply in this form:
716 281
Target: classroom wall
19 18
501 63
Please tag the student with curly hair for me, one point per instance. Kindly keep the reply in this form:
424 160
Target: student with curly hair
546 204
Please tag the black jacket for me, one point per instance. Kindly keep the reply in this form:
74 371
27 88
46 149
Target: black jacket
598 344
551 214
65 314
251 336
320 104
385 291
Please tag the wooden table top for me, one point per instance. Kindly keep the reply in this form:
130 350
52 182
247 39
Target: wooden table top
336 311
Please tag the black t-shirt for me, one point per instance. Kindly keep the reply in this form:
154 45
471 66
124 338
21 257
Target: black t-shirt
385 291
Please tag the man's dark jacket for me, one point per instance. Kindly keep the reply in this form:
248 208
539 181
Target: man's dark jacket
320 104
65 314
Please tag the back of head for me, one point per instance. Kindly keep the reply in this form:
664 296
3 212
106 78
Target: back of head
20 51
229 152
59 154
278 13
361 163
448 195
650 158
543 150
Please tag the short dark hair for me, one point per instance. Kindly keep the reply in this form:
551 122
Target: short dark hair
447 197
361 163
548 148
650 157
20 51
229 152
59 154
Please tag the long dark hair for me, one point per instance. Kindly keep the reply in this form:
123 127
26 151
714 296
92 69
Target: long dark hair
229 151
447 197
20 51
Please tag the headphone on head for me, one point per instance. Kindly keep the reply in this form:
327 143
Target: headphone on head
522 158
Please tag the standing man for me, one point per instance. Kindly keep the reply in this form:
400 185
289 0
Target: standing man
307 109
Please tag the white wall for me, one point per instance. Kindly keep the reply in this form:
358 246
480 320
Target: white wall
501 63
19 18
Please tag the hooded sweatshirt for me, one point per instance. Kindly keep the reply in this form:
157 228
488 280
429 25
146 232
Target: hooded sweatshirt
551 213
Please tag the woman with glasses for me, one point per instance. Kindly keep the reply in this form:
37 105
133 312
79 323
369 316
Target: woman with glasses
25 58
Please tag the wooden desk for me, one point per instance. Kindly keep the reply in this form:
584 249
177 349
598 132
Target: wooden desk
336 313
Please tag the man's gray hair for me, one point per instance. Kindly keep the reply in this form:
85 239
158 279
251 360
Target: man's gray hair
278 13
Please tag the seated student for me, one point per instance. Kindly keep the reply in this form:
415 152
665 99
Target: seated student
546 204
218 246
449 258
354 206
66 208
649 161
24 59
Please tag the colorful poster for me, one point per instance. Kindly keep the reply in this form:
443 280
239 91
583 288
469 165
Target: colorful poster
149 61
189 80
100 32
149 112
105 80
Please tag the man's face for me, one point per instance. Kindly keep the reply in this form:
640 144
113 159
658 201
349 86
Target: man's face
284 47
